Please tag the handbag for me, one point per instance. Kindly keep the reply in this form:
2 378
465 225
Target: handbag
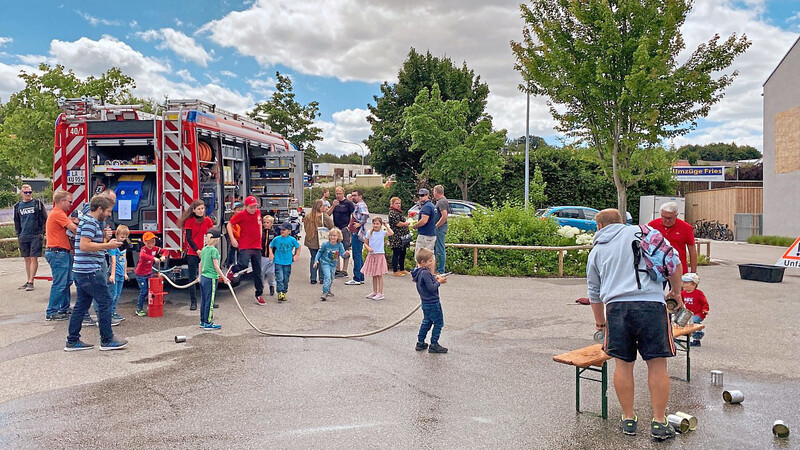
406 240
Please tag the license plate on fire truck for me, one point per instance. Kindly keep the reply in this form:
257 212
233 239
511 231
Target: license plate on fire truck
76 177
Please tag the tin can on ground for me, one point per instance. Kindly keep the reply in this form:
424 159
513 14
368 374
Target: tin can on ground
599 336
716 378
779 429
682 317
680 424
733 397
179 339
672 305
692 419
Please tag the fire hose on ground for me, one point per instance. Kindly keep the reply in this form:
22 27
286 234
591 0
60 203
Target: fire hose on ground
297 335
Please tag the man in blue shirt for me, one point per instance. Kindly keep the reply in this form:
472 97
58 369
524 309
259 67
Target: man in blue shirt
90 279
426 226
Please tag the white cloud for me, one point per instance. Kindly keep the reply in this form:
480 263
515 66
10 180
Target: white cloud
185 75
89 57
263 86
182 45
348 125
10 82
94 21
35 60
229 74
5 40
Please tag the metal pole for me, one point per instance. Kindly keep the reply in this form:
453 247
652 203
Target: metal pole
527 148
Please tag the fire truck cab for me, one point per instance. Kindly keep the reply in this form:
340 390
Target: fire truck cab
158 164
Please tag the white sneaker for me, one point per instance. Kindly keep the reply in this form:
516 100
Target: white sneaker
379 297
353 283
370 296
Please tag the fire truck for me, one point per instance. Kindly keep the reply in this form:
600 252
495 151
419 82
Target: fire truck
157 164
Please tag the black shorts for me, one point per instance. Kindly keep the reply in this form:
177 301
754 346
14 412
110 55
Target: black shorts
642 326
30 247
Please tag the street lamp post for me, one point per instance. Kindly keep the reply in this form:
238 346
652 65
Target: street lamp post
362 152
527 148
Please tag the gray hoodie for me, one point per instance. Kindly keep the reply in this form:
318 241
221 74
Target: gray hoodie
609 271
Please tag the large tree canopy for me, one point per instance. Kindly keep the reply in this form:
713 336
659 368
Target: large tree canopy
610 71
718 151
391 149
288 117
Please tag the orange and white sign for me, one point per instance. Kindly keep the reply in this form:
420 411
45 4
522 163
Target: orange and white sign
791 258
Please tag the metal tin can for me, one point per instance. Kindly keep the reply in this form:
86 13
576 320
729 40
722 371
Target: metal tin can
179 339
682 317
733 397
716 378
680 424
672 305
599 336
692 420
779 429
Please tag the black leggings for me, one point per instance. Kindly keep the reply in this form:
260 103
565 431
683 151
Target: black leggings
193 261
398 259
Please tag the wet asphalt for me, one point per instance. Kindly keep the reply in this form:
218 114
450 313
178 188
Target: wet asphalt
497 387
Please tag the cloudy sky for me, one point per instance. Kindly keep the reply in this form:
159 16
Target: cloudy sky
339 51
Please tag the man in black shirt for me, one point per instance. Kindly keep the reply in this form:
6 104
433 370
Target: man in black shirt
342 211
30 217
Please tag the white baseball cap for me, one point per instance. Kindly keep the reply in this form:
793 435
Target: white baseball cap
691 277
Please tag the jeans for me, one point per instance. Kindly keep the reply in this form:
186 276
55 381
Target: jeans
116 292
91 286
328 272
208 290
697 335
144 290
433 316
193 261
268 269
358 258
252 256
282 274
61 267
315 274
399 259
439 250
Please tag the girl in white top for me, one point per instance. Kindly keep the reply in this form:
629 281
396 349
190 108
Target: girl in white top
375 265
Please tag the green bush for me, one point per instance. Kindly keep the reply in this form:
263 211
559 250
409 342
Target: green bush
8 198
779 241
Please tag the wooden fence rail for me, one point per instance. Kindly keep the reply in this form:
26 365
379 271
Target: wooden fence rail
560 250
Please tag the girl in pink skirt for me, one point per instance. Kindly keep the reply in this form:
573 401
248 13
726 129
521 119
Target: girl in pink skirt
375 265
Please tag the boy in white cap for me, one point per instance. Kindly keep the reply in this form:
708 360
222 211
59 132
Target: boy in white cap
695 301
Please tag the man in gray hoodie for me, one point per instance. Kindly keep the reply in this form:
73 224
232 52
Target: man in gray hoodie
633 319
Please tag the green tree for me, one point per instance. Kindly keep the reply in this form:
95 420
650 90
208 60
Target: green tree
288 117
27 129
452 152
390 149
609 70
718 151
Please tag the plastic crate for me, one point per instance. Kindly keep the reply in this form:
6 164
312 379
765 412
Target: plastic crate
761 272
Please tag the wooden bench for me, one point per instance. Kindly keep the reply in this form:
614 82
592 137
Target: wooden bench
594 359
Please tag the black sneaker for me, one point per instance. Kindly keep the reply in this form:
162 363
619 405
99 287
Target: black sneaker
436 348
695 343
114 344
193 306
77 346
58 316
421 346
29 287
629 425
272 290
313 281
89 322
661 431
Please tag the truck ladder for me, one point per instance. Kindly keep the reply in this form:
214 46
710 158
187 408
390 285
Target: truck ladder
172 172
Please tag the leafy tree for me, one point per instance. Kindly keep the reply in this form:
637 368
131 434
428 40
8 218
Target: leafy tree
288 117
451 151
26 133
390 149
609 69
718 151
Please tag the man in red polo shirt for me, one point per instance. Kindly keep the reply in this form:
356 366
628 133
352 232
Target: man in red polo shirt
679 233
249 242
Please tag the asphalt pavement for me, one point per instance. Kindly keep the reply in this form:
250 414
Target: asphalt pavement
497 387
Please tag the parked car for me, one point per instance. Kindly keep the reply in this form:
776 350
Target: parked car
579 217
459 208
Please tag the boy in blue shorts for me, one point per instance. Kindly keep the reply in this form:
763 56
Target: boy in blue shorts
283 251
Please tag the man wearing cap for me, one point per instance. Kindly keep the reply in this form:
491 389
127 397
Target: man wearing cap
426 227
249 242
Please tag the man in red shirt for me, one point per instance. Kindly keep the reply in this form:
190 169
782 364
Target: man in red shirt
679 233
249 242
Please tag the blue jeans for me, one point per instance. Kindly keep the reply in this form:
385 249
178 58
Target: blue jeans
328 271
439 251
315 274
697 335
144 290
358 258
91 286
208 290
116 292
61 268
432 316
282 274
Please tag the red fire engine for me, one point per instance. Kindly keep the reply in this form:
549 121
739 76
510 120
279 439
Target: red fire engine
158 164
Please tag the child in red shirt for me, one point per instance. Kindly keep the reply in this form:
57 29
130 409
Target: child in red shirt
144 269
696 302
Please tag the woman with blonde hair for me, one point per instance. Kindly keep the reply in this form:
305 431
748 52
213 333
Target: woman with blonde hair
312 222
